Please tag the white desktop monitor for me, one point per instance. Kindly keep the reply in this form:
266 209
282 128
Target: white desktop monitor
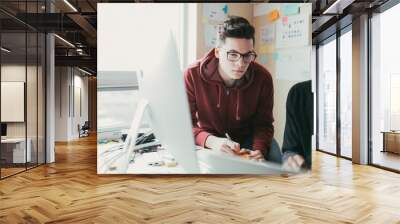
163 102
162 86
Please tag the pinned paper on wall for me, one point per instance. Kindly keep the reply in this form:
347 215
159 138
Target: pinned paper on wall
273 15
263 59
213 14
268 33
210 35
266 48
299 60
293 31
290 9
215 11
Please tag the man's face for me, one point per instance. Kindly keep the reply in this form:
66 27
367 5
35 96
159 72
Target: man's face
235 65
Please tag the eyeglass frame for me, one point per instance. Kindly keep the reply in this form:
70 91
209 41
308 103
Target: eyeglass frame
241 56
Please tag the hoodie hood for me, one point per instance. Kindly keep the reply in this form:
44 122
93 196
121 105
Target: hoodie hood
209 73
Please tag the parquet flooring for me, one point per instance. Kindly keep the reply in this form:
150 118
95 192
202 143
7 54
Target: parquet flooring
10 171
70 191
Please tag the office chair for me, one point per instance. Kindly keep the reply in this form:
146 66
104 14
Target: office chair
84 130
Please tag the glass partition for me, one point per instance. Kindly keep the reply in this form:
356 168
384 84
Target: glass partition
32 95
13 105
22 88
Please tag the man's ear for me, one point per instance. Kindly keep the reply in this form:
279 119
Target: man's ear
216 52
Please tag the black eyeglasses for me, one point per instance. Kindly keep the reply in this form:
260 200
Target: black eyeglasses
234 56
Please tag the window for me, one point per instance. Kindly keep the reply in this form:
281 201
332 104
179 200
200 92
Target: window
346 94
385 89
327 97
394 101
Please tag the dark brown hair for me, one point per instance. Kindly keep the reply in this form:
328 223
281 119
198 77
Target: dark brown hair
235 27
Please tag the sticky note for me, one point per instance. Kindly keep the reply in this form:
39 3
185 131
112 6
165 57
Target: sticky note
285 20
225 9
265 49
263 59
273 15
290 9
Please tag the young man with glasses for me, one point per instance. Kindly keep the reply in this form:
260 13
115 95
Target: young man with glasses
231 96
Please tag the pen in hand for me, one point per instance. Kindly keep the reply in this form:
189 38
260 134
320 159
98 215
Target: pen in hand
229 142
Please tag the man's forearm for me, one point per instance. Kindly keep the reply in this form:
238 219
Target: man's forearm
262 138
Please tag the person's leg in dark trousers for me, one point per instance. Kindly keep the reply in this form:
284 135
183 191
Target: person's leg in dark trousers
274 153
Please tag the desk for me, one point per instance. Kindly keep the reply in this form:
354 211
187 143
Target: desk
141 164
210 162
391 141
15 148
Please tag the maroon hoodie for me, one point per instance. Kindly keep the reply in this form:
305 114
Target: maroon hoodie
240 111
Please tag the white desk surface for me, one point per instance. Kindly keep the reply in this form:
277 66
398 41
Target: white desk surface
19 151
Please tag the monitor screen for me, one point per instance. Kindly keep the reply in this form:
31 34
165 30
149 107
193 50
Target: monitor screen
3 129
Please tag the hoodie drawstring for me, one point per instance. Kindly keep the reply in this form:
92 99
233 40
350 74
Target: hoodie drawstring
237 105
219 91
219 96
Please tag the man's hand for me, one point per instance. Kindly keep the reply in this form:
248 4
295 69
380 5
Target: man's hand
256 155
293 162
222 144
232 148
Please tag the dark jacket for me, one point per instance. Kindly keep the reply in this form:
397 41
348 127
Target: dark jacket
299 122
240 111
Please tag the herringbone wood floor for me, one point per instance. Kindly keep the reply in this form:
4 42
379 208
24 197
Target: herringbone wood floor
70 191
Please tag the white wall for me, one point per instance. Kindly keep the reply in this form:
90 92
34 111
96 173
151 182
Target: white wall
67 115
79 117
61 103
134 47
16 73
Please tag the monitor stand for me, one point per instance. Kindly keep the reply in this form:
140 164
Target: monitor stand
118 164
